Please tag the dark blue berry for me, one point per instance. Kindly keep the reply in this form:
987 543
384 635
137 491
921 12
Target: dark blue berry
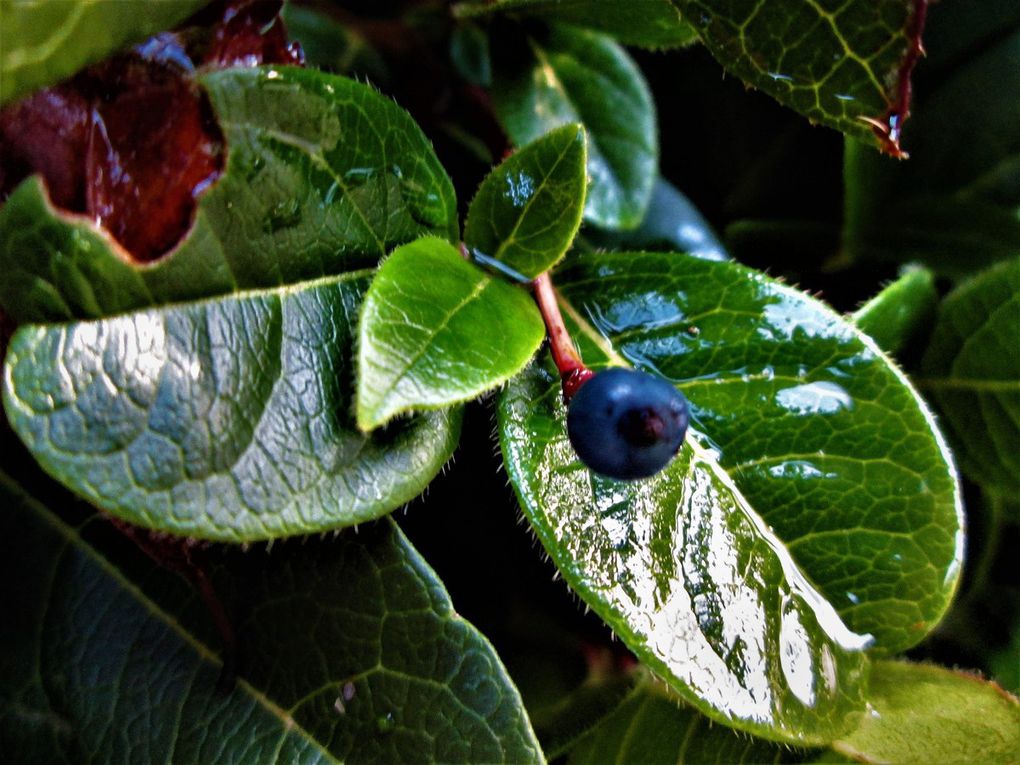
626 424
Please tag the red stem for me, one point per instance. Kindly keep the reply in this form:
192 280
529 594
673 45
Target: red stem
573 372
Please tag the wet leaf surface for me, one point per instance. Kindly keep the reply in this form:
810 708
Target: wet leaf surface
528 209
813 464
228 419
294 202
349 651
552 76
429 343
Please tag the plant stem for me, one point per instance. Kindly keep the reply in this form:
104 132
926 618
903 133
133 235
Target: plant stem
573 372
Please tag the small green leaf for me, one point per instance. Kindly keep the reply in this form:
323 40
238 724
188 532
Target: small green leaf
323 175
840 65
897 314
436 330
924 714
470 54
528 210
350 651
971 370
671 223
227 419
808 444
652 24
955 206
561 726
559 75
41 43
652 727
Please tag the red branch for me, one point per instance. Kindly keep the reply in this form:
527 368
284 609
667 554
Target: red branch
573 372
889 127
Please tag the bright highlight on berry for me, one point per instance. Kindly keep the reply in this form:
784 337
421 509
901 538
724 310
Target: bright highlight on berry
627 424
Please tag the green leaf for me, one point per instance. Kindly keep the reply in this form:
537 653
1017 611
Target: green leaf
41 43
971 371
652 728
823 449
470 54
436 330
671 222
562 725
350 651
897 314
323 175
528 209
923 713
228 419
956 204
559 75
646 23
839 65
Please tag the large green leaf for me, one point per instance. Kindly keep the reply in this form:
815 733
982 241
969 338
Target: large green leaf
436 330
528 209
349 651
956 203
323 175
925 714
900 311
645 23
226 419
652 728
557 75
43 42
801 424
842 64
971 370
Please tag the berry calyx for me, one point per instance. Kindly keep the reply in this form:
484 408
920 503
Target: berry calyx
627 424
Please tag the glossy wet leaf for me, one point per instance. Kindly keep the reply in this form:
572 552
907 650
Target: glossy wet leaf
42 43
671 223
955 205
901 311
436 330
228 419
645 23
528 209
349 651
819 437
555 75
837 64
323 175
924 713
651 727
971 371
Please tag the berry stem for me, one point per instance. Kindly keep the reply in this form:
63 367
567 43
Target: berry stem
573 372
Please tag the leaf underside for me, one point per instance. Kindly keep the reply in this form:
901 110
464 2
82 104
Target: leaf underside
971 371
228 419
839 64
